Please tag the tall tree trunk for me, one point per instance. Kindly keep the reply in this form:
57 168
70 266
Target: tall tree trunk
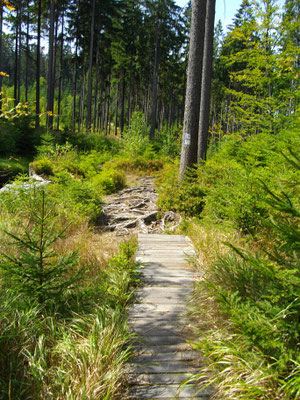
19 55
50 81
16 59
122 103
38 66
74 88
60 71
129 91
90 79
1 32
193 88
206 80
107 120
27 52
155 82
96 89
117 110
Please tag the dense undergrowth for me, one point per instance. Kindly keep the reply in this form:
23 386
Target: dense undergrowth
243 208
63 298
242 212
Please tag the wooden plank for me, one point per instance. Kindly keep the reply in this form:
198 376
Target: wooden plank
158 329
159 379
149 308
170 281
169 391
185 355
163 348
152 340
169 367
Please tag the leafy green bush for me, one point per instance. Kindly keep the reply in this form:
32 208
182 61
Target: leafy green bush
109 181
77 199
43 166
188 197
136 138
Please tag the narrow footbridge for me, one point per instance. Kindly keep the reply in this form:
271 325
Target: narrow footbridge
163 358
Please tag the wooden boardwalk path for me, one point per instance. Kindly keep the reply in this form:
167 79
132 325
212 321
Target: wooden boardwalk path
163 357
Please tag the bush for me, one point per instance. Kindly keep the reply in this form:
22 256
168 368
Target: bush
188 197
35 270
109 181
258 294
136 138
10 168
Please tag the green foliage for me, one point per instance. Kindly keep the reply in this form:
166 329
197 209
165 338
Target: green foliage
35 269
77 200
168 141
136 138
109 181
42 167
260 297
188 197
137 165
226 189
61 350
18 137
9 168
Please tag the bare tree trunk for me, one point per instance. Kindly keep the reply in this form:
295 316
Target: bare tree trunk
193 88
122 103
27 53
60 71
130 90
19 56
155 82
117 110
90 79
1 32
16 73
38 66
206 80
74 88
50 81
107 118
96 88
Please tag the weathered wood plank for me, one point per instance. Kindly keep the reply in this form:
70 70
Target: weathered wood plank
159 379
168 391
168 367
185 355
163 358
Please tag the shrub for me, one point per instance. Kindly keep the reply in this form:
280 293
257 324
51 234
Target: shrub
109 181
136 138
43 166
10 168
188 197
35 270
258 294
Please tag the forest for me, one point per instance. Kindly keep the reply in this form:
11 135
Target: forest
94 96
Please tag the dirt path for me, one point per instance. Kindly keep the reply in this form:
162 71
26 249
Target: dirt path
134 210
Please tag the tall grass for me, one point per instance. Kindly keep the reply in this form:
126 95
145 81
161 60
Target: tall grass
75 347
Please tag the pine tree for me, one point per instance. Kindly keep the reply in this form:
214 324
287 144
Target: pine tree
35 269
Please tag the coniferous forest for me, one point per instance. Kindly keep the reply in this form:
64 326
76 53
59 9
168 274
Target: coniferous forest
97 95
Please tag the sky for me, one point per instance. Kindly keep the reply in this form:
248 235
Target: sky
225 9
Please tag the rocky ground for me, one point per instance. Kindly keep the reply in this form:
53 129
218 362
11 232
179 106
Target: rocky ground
134 210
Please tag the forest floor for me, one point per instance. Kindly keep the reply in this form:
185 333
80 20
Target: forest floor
134 210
